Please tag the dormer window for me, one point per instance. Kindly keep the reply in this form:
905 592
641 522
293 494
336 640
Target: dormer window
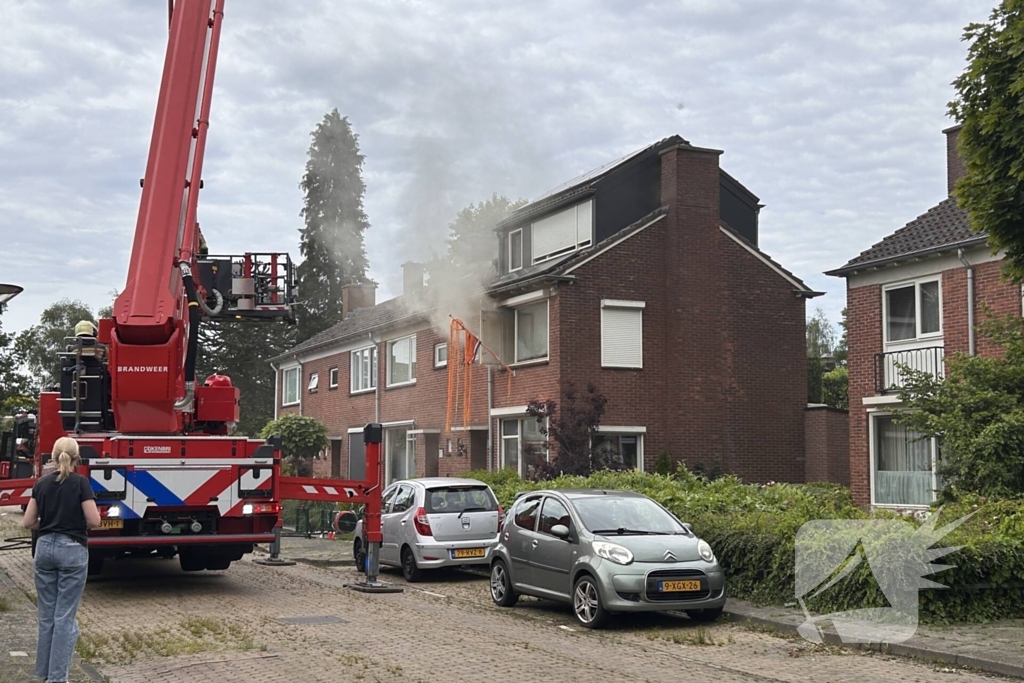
563 232
515 250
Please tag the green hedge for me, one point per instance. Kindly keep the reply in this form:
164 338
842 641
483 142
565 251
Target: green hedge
753 531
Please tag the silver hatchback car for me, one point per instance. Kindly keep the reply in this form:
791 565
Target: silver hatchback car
433 523
604 552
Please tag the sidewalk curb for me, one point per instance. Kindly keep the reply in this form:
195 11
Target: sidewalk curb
310 560
899 649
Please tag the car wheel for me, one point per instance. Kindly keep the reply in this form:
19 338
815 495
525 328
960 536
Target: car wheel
502 592
359 555
586 603
704 615
410 571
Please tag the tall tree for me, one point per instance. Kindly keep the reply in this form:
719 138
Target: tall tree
39 345
331 242
988 103
821 336
15 390
471 239
241 350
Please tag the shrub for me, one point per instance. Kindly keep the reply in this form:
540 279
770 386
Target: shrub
835 388
302 438
663 465
753 530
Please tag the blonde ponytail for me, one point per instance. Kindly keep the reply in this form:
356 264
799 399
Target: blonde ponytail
65 452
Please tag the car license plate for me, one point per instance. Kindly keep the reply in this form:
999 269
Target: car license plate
679 586
463 553
111 523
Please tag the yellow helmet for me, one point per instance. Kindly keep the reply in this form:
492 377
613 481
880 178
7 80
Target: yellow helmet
85 328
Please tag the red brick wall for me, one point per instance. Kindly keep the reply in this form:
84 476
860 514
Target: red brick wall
864 320
994 297
765 369
828 445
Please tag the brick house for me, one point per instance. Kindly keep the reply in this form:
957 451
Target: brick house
643 277
913 299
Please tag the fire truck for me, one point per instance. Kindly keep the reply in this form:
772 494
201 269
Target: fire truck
157 444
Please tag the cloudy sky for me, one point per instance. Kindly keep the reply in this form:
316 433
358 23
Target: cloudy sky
830 111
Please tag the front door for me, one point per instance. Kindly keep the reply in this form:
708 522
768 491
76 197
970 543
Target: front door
553 556
519 538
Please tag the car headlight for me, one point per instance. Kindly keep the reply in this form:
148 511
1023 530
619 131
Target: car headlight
705 551
613 552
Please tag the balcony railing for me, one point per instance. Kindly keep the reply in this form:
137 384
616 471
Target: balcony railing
889 367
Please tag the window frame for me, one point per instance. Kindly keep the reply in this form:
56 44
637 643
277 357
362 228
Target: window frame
933 448
515 333
295 372
314 382
618 434
411 340
332 378
353 376
522 259
522 503
918 337
638 306
518 437
540 515
577 245
441 363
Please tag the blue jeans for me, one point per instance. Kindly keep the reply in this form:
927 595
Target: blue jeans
61 568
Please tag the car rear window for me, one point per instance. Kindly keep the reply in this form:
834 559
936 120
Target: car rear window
460 499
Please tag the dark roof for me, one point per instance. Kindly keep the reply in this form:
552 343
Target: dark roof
360 322
942 227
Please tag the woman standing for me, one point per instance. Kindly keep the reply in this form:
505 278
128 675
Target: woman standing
62 509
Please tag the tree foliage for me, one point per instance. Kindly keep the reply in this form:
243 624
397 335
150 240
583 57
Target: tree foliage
835 388
242 350
40 344
331 242
15 389
302 439
571 431
471 240
989 102
977 413
821 336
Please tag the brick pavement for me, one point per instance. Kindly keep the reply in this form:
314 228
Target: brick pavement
226 626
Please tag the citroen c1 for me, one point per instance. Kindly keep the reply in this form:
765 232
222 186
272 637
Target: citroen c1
435 522
604 552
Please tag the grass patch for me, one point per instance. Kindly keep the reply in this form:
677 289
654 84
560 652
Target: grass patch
699 637
188 636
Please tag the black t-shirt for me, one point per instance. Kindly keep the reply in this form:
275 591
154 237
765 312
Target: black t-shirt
60 505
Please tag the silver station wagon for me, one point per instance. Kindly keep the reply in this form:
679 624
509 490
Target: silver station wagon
433 523
604 552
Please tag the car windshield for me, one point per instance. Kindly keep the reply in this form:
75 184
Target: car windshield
606 515
460 499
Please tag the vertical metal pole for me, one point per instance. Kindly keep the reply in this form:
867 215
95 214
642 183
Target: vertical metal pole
275 545
373 434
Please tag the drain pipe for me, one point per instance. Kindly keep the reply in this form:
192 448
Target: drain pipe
490 422
970 300
376 378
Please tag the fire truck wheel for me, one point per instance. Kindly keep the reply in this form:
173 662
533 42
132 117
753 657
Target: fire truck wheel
218 562
191 561
410 571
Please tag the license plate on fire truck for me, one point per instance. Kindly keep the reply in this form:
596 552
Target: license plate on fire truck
111 523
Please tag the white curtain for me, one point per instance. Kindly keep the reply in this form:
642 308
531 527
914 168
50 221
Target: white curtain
903 473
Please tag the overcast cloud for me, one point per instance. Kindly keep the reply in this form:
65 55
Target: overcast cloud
830 112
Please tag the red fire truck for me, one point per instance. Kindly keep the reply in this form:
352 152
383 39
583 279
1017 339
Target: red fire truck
170 477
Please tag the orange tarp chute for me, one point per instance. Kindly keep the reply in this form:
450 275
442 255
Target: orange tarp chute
463 349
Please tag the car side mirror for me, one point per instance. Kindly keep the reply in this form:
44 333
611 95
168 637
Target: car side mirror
688 527
560 530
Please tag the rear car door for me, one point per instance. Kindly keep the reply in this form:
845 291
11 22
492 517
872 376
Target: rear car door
519 537
396 526
466 514
553 556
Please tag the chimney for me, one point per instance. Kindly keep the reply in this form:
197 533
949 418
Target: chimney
955 166
412 277
357 296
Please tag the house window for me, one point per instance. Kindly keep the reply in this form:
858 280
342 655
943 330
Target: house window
333 378
523 447
314 382
291 387
515 250
400 447
531 332
622 334
440 355
402 361
913 311
364 370
903 465
622 451
563 232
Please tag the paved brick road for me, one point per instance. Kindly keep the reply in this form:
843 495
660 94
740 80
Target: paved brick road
151 622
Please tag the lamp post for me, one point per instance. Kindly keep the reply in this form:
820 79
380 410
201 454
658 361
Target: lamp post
8 292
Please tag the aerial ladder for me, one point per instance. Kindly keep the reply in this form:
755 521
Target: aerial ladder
169 476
